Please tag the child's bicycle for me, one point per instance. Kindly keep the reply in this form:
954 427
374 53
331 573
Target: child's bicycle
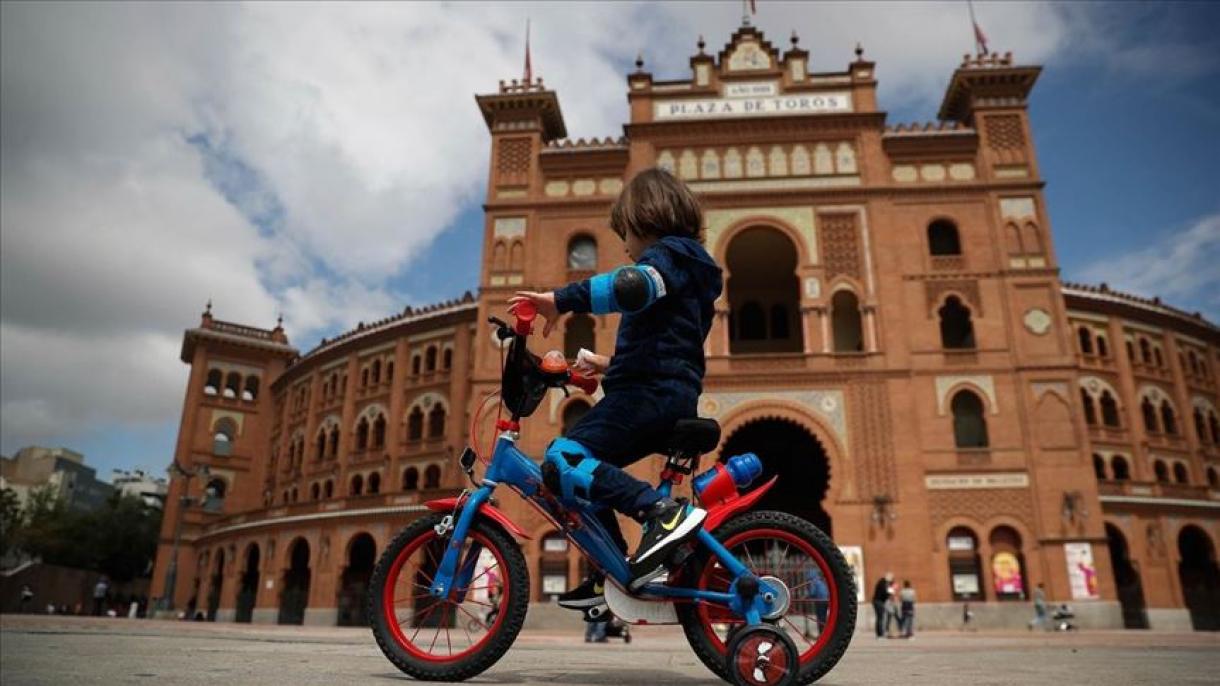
742 591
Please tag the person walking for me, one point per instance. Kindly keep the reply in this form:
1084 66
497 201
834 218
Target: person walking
1039 619
27 596
881 594
907 598
99 595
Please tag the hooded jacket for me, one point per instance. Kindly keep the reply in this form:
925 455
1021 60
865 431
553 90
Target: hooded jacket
664 341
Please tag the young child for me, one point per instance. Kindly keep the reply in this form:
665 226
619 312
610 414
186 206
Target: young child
656 375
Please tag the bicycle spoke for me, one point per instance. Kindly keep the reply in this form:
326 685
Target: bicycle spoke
476 619
420 621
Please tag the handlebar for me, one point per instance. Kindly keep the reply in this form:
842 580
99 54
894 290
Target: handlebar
524 326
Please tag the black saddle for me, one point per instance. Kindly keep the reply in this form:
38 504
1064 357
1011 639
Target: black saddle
693 436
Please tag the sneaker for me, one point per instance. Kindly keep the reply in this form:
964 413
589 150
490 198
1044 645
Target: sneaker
590 593
666 527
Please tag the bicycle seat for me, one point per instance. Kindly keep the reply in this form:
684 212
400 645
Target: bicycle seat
693 436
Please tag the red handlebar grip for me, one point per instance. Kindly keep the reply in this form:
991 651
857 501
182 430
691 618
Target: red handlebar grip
584 383
525 312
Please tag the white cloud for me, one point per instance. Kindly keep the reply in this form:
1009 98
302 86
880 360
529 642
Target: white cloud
1180 268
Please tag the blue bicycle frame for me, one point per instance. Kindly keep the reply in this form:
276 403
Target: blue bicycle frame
747 596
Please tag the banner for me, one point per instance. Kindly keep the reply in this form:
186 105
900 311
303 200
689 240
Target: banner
1006 575
1082 575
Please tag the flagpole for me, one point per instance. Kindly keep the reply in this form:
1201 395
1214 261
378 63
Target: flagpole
979 47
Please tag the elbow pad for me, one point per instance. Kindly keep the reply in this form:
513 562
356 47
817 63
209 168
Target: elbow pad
626 289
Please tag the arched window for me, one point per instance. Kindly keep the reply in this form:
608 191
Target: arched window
232 385
1149 412
321 445
1099 467
1102 349
1145 351
415 364
1180 474
212 385
1086 340
1090 414
572 414
943 238
779 321
379 431
436 421
1200 426
1007 564
410 479
315 491
447 359
334 442
334 384
1169 419
1109 409
362 434
432 477
214 494
430 359
582 253
375 372
1215 426
223 435
328 489
1161 470
845 320
969 426
250 392
389 370
374 483
1122 470
1160 361
1130 350
296 495
956 329
1194 363
1213 477
965 569
357 487
415 424
751 322
577 334
364 377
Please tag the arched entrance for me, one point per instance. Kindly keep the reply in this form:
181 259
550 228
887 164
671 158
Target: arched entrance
1200 578
1127 579
216 585
764 293
247 593
792 453
294 593
354 584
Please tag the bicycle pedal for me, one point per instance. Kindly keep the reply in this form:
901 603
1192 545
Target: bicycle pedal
597 613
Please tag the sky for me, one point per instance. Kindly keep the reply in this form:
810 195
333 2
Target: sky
327 162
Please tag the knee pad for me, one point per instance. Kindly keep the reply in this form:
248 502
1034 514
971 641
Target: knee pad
567 472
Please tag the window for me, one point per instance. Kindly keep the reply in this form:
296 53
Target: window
374 483
1102 349
1099 467
1200 426
1090 414
375 372
1086 340
1145 351
554 543
389 370
214 495
379 431
965 570
447 359
1180 474
577 334
328 489
845 319
430 358
212 385
1122 470
357 487
1149 412
1007 564
751 322
956 329
1169 419
250 393
334 442
362 434
334 384
1213 477
315 491
1215 426
364 377
223 435
415 362
1194 363
232 385
1160 361
582 254
1109 409
410 479
432 477
943 238
572 414
1161 470
436 421
321 445
1130 350
969 426
415 424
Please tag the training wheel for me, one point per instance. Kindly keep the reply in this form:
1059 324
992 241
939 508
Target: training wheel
762 656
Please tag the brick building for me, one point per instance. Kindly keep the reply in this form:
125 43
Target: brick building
894 341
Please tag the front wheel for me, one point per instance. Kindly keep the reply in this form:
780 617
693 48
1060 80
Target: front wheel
461 635
821 610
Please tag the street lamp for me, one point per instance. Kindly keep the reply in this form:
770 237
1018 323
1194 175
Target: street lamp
171 575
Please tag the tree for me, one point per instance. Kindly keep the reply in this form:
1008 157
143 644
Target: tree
12 519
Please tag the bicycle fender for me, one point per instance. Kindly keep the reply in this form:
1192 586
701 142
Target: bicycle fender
717 514
486 510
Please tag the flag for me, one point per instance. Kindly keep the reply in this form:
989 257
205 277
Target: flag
753 9
529 71
980 39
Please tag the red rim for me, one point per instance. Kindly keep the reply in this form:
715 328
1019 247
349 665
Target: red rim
401 595
761 660
715 577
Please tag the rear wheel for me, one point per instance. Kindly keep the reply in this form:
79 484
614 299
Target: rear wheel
461 635
821 611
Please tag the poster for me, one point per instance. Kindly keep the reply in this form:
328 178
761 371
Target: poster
1082 575
1006 570
966 584
854 555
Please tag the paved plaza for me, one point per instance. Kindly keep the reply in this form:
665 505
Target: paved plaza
81 651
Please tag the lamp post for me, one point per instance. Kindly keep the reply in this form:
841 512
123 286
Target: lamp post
171 574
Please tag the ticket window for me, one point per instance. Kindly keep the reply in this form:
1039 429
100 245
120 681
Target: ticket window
553 566
965 569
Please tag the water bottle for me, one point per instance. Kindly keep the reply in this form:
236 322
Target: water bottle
720 483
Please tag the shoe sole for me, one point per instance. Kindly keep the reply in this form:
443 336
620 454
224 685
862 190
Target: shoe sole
582 603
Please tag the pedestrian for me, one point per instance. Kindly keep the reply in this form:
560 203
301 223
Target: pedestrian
99 595
595 632
881 594
819 593
1039 619
907 598
27 596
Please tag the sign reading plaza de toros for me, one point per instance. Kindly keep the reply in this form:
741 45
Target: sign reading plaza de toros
752 100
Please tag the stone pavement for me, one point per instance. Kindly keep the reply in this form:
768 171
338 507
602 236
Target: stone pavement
82 651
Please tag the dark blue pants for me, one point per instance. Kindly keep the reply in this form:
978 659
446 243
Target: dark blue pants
626 426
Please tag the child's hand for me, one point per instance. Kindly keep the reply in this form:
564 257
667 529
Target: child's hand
590 363
544 303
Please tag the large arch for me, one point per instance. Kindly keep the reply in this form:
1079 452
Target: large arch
216 585
294 589
1126 580
1200 577
763 290
352 599
247 592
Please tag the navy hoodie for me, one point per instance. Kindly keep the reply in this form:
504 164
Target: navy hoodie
664 341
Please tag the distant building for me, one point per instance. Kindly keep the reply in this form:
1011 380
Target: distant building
59 469
139 483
